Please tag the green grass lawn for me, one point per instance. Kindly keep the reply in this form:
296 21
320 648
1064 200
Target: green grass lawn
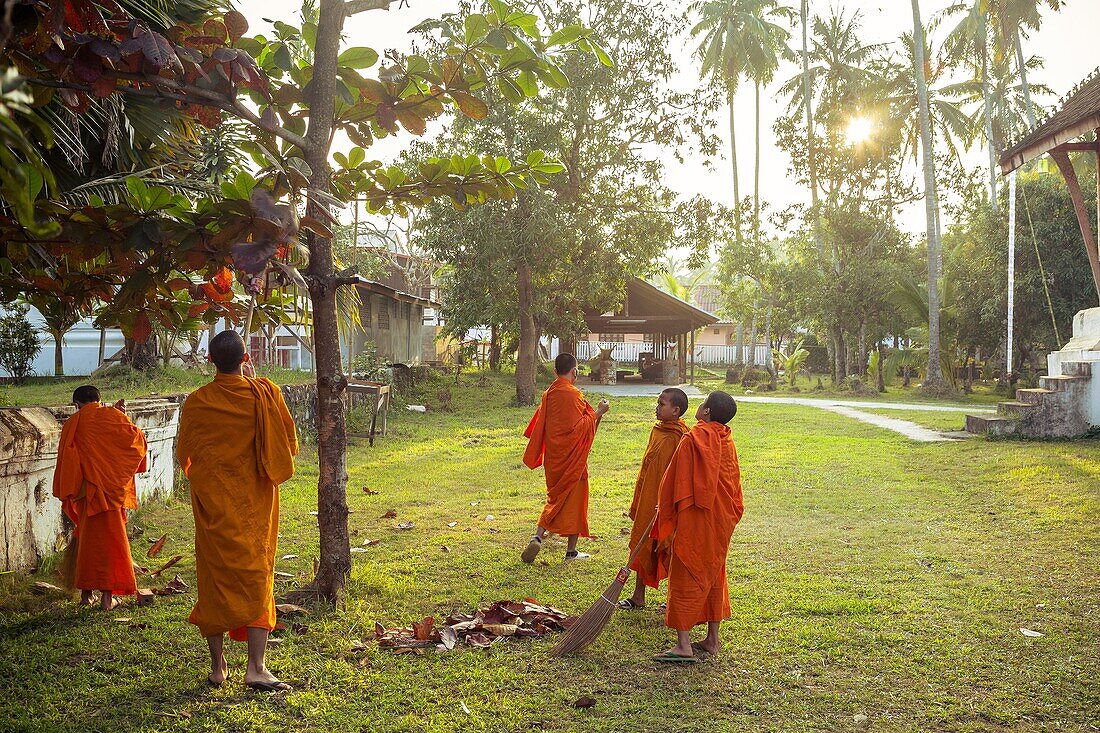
119 382
820 387
871 576
934 419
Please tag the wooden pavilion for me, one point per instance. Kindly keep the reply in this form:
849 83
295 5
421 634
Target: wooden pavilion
1078 114
666 321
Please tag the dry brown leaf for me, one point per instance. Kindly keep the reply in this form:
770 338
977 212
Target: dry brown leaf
280 574
157 546
448 637
174 587
371 543
501 629
139 570
389 514
444 548
369 491
406 525
175 559
123 620
584 702
43 585
289 608
624 530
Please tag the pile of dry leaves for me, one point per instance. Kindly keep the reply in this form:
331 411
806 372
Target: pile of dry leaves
483 628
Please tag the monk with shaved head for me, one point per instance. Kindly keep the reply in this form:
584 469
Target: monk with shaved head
236 444
559 438
99 452
699 507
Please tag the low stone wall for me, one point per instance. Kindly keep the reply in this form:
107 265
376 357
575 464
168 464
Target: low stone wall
31 524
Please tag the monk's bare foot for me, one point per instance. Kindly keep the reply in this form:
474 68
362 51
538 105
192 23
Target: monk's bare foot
706 648
109 603
262 679
680 651
87 598
218 676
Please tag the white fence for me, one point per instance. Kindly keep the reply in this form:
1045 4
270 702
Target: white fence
704 353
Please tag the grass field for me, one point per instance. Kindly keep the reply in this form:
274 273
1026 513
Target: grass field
876 584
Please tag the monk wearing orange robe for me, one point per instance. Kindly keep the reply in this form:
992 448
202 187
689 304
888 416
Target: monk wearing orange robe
664 438
559 437
99 453
700 504
236 444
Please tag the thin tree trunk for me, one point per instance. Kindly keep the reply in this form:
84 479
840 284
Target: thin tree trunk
494 348
934 377
807 92
332 506
863 354
830 352
751 360
527 358
1029 105
768 338
756 176
840 353
881 386
987 113
733 165
58 352
142 355
739 357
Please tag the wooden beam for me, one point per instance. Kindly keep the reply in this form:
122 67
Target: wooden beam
1077 147
1066 166
1011 161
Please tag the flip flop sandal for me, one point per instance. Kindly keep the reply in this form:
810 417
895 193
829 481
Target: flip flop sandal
670 658
270 686
628 604
532 550
661 607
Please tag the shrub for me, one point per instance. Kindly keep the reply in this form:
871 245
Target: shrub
370 366
18 344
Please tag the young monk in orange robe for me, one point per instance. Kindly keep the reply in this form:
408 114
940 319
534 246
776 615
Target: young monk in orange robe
236 444
700 504
99 452
664 438
559 437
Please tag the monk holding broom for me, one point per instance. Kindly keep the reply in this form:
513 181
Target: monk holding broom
99 452
700 504
560 437
236 444
664 438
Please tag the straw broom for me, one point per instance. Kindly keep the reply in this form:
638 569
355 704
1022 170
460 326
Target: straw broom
590 625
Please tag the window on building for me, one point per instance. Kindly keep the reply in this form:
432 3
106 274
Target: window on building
384 316
717 331
613 337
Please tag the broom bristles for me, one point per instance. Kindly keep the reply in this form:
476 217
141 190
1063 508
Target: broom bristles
591 623
66 570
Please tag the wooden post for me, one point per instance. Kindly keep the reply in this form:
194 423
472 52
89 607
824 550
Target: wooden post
1061 157
102 346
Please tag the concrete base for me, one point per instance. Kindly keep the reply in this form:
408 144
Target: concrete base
1067 402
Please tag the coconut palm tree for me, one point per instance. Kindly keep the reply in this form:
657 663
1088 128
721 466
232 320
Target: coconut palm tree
737 39
934 377
1013 20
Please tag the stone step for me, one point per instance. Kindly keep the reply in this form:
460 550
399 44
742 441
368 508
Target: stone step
1081 369
990 424
1059 383
1033 396
1014 408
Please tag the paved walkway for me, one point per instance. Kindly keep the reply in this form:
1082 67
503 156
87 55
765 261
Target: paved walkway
849 408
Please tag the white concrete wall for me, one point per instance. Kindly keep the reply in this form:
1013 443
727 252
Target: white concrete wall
1084 346
31 526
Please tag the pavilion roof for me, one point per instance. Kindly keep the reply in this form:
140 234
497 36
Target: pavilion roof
649 310
1077 113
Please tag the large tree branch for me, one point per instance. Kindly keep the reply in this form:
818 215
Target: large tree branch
351 7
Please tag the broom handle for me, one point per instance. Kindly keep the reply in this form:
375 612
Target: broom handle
637 548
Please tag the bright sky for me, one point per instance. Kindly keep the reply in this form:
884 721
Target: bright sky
1066 41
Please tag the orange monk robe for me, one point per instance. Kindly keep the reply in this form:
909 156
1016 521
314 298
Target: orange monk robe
99 452
560 436
700 504
663 440
236 444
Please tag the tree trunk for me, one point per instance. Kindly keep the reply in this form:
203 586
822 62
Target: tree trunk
527 358
733 164
830 352
840 353
769 360
807 93
334 565
863 354
987 113
934 377
881 386
751 360
756 176
494 348
1029 105
58 352
141 355
739 356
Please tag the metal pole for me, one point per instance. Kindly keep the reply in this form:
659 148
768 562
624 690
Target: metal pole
1011 267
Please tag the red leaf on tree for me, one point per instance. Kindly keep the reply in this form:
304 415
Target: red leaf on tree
104 87
160 52
142 330
236 24
197 310
223 280
87 67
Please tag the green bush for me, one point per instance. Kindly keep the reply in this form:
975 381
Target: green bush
18 344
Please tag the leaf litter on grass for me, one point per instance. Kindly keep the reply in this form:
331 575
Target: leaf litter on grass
483 628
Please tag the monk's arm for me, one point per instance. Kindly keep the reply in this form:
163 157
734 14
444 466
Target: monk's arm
287 419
